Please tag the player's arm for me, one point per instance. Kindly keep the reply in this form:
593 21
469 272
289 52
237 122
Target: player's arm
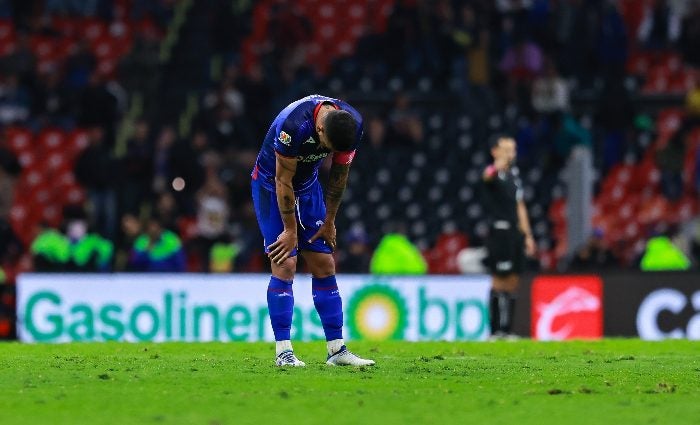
285 168
337 180
492 170
524 223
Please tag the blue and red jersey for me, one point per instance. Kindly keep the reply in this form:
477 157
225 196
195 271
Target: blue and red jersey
293 134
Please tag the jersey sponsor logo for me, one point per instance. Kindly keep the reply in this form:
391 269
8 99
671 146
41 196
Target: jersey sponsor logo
309 140
567 307
312 157
285 138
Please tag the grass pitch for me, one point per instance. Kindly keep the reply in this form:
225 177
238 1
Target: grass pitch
524 382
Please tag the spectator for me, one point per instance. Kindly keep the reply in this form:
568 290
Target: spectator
405 125
594 255
157 250
162 158
396 255
52 101
50 251
130 230
21 61
137 166
212 212
89 252
80 65
661 25
670 160
98 107
356 256
14 101
550 93
690 35
96 170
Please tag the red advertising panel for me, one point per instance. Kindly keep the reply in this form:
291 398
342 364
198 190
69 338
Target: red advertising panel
567 307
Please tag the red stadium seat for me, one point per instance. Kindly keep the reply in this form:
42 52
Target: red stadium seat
19 140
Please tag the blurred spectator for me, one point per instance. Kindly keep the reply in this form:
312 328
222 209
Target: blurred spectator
396 255
9 169
162 167
550 93
21 61
594 255
89 252
212 213
356 255
187 163
567 134
139 68
96 169
11 248
520 65
670 159
50 251
52 104
167 211
14 101
157 250
614 116
612 42
405 124
661 254
98 107
661 25
130 230
80 65
137 168
690 35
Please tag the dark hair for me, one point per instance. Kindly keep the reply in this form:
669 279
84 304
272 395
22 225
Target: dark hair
341 128
496 138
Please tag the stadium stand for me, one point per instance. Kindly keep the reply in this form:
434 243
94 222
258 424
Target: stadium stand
184 90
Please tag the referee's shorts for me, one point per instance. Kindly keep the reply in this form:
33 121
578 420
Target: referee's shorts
506 249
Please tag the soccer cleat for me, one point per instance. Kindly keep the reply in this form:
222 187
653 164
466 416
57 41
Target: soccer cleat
287 358
344 357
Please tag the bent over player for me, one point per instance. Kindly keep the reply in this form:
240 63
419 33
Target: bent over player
294 218
510 236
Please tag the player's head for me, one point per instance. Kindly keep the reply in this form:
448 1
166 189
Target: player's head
503 147
337 130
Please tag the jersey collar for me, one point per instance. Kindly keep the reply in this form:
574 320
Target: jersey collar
318 108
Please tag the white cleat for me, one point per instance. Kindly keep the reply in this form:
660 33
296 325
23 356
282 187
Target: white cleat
287 358
346 358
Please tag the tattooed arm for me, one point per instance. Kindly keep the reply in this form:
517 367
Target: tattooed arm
337 180
287 240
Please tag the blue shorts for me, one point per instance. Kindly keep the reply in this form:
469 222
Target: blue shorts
310 213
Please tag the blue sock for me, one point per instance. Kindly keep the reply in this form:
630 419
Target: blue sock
329 306
280 303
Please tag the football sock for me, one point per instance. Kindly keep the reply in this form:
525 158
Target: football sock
329 306
280 303
334 346
282 346
510 310
494 312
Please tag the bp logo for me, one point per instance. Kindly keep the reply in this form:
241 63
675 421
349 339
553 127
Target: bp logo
377 312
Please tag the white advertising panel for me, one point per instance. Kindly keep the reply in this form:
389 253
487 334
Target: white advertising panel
191 307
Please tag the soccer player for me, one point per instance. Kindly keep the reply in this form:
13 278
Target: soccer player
294 218
510 236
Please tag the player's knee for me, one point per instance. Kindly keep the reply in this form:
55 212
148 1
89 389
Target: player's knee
322 266
285 270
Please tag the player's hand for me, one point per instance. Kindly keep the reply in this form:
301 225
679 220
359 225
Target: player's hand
327 232
530 247
283 246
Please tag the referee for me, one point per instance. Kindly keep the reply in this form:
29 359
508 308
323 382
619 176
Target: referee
510 236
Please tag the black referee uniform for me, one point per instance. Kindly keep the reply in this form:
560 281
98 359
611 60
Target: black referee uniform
505 242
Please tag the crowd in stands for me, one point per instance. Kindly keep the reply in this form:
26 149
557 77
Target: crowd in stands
170 201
